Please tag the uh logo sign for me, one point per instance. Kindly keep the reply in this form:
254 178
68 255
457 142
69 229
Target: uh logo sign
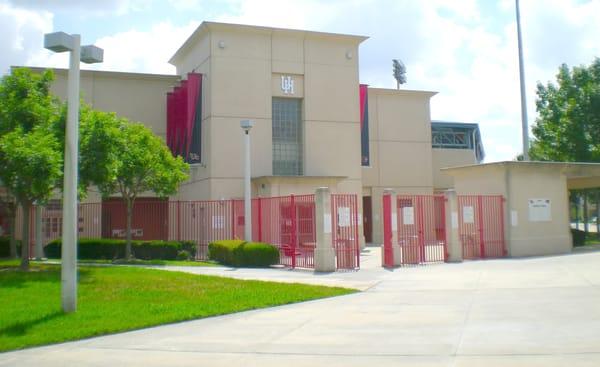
287 84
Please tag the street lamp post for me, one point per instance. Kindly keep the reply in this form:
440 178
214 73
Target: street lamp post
246 125
61 42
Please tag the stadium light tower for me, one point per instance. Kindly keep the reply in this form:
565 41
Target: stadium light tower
61 42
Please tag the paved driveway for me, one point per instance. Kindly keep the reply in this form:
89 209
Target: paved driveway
517 312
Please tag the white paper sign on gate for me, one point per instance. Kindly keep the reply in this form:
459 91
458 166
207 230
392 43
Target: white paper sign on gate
343 216
327 223
218 222
468 214
540 210
394 221
408 215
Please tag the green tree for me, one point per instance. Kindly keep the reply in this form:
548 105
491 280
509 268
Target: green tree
25 105
567 127
134 160
30 167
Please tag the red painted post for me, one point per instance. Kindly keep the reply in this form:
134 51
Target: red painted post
480 222
293 238
504 249
388 256
421 231
178 220
355 225
259 219
232 204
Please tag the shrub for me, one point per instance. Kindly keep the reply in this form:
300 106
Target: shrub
222 251
5 247
100 248
578 237
183 255
241 253
257 254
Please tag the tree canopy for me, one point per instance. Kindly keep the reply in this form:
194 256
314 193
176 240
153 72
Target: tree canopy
134 161
30 155
568 124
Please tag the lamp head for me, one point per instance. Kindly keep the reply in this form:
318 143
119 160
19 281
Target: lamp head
246 125
58 42
91 54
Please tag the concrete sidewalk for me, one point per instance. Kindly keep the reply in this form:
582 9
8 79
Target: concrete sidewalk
513 312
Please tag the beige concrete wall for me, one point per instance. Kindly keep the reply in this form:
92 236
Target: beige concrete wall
443 158
138 97
528 238
400 148
518 183
245 65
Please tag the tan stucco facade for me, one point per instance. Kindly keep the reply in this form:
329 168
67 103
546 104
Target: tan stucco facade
537 203
443 158
400 148
242 69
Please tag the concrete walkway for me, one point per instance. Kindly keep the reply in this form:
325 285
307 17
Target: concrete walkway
514 312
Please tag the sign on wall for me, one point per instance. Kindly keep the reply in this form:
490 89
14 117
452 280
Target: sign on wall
408 215
468 214
540 210
287 84
218 222
343 216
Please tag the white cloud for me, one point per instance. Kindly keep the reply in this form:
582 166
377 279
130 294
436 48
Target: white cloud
21 32
85 8
131 51
457 48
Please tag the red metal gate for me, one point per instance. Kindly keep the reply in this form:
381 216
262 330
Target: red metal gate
289 223
481 226
344 216
421 229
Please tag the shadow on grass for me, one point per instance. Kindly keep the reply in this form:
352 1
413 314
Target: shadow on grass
21 328
15 278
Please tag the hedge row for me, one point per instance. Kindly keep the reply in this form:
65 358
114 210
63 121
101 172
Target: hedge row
5 246
97 248
243 254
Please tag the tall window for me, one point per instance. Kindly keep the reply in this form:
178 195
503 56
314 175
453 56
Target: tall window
287 137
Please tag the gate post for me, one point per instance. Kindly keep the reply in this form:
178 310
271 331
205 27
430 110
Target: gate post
324 251
453 243
391 253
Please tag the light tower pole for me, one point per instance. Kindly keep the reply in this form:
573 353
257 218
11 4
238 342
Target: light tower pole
61 42
246 125
524 124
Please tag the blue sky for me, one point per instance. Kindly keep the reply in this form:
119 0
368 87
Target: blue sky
463 49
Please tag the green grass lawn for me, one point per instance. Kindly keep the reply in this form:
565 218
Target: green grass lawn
149 262
113 299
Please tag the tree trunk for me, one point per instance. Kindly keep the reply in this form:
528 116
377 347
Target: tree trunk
26 206
12 220
128 251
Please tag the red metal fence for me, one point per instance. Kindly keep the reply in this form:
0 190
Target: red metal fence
287 222
481 226
344 214
421 229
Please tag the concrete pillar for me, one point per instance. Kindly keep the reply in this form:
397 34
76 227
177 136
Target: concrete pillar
396 250
452 235
39 246
324 251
